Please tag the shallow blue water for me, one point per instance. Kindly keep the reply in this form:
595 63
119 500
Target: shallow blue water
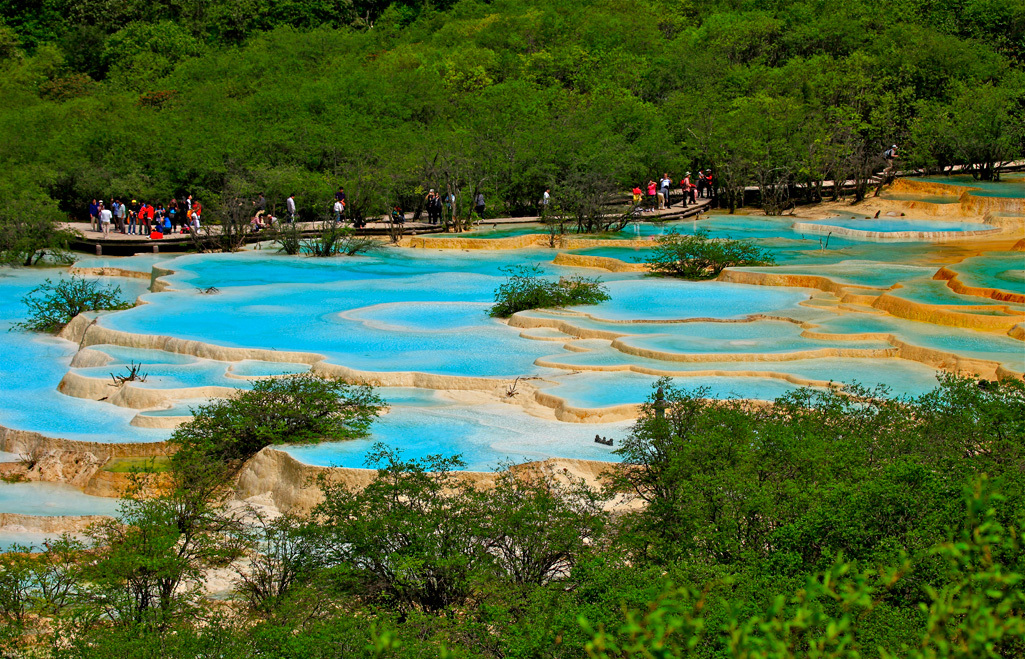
425 310
31 366
32 539
893 225
659 299
1001 270
486 436
861 273
136 263
1010 185
50 499
596 390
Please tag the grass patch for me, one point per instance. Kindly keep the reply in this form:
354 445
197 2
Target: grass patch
154 465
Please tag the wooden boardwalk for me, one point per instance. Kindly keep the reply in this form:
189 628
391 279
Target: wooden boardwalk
120 244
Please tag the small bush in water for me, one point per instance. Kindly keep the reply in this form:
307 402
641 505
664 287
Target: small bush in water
527 289
701 257
51 305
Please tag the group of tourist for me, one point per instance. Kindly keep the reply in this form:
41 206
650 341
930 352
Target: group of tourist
141 218
184 216
660 193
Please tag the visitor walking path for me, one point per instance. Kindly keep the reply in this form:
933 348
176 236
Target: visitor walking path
118 243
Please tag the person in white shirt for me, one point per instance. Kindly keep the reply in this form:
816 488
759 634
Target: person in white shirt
105 216
290 205
339 209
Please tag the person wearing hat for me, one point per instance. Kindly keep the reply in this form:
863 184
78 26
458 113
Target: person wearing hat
890 155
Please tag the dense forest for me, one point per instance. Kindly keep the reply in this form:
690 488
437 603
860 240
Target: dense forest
161 98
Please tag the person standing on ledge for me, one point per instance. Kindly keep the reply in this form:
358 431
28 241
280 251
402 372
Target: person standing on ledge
433 203
105 216
94 216
546 199
478 204
338 211
290 208
121 212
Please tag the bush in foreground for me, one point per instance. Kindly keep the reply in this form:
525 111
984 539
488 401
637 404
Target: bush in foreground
527 289
701 257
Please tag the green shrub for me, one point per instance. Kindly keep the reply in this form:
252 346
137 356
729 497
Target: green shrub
701 257
289 239
53 305
333 239
525 289
297 409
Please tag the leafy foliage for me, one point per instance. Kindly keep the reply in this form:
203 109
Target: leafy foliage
333 239
30 231
298 409
585 98
526 288
51 305
828 524
699 257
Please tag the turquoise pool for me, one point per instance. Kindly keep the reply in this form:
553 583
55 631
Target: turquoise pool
1010 185
897 225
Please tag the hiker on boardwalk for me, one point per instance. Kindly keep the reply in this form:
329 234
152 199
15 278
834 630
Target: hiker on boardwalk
173 215
121 214
546 199
94 215
105 216
450 207
890 156
652 195
665 183
290 208
433 203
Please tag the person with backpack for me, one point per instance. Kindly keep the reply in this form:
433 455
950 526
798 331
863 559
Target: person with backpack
890 156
